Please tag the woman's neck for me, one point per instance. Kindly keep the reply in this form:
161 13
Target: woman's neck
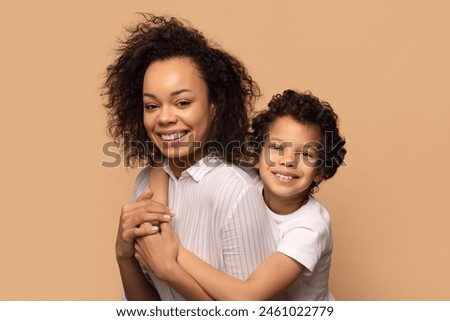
179 165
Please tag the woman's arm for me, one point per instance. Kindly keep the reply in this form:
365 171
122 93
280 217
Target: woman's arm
135 284
268 281
158 253
159 183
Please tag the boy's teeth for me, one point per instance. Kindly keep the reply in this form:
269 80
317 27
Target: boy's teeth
284 177
173 136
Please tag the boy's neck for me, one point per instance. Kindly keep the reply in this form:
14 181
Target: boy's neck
284 206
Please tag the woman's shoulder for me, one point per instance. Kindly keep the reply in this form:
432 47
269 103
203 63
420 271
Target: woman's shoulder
232 172
142 177
141 182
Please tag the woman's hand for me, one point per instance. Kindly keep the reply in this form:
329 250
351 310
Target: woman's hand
139 219
158 252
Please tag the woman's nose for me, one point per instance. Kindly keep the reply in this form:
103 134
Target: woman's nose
166 115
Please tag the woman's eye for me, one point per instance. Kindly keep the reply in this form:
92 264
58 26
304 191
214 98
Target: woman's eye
183 103
150 106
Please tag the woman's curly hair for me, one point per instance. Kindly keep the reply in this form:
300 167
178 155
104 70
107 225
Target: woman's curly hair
230 87
306 109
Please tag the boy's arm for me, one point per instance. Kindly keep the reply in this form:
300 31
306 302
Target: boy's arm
158 253
135 222
303 243
132 218
157 256
179 267
268 281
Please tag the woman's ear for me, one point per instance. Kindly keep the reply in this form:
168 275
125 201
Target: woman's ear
213 109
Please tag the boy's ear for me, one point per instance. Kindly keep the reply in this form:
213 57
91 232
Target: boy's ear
319 175
253 154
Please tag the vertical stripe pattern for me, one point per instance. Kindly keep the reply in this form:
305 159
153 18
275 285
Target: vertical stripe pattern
221 217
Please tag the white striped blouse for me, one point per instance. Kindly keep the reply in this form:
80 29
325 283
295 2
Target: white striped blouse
220 216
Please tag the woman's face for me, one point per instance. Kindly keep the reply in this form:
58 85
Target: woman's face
177 113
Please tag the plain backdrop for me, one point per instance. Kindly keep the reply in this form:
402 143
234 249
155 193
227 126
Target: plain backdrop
383 65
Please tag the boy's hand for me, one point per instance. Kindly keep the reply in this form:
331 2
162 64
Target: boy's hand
139 219
158 252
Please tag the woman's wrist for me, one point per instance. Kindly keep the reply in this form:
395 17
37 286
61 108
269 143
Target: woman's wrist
125 261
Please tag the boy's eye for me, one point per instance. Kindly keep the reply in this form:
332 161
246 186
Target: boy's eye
309 155
275 147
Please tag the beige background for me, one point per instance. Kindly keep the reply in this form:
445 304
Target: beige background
383 65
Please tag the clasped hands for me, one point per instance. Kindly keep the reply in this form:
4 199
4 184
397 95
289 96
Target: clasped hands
146 235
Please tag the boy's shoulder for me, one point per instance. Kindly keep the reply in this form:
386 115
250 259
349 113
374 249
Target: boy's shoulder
316 211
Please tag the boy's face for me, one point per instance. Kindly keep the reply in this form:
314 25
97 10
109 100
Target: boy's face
177 112
290 159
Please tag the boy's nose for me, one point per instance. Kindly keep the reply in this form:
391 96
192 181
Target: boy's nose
288 158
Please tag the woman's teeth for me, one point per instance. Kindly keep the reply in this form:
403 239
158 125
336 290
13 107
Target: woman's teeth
173 136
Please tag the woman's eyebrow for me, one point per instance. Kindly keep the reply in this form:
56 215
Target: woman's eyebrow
149 95
177 92
173 93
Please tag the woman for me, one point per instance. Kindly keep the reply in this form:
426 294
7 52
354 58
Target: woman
175 95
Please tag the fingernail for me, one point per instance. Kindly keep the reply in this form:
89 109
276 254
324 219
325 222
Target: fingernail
155 229
168 217
172 212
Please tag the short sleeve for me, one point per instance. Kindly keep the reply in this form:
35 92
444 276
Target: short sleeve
141 183
306 242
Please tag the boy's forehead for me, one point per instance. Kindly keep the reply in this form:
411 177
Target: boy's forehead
291 134
293 143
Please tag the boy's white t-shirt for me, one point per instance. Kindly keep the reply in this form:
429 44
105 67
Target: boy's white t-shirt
306 237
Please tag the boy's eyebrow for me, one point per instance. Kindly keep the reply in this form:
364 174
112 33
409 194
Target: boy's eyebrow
172 94
291 143
279 140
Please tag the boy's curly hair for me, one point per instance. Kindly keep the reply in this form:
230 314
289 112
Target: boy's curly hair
306 109
230 87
